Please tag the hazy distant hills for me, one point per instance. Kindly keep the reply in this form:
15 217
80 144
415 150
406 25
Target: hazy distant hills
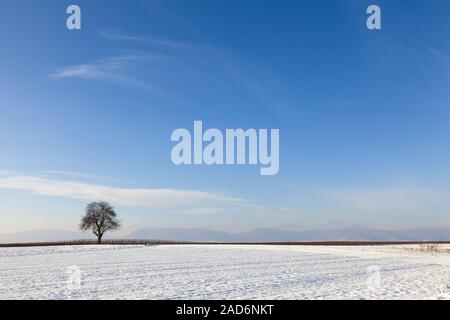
42 235
183 234
272 234
256 235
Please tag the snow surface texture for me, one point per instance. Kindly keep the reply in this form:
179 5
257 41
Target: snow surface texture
223 272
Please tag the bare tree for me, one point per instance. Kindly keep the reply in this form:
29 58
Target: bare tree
100 217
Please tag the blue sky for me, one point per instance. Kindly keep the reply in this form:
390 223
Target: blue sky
363 115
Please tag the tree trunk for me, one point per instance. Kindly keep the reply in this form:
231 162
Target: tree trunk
100 238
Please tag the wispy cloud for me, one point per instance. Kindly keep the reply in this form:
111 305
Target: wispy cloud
394 199
166 65
440 55
184 201
114 70
214 65
150 40
100 69
402 204
201 211
77 175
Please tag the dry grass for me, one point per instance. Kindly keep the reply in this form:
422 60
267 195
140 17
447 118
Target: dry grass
433 248
424 246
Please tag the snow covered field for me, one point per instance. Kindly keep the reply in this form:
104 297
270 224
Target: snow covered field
223 272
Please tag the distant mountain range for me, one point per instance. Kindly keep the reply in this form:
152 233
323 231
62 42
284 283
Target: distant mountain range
256 235
272 234
42 235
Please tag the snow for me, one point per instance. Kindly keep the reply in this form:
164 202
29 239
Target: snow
223 272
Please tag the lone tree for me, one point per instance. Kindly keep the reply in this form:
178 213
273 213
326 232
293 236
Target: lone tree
100 217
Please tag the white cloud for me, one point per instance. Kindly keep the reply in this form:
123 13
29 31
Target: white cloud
440 55
65 174
392 199
188 201
285 209
394 205
151 40
201 211
114 69
163 65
